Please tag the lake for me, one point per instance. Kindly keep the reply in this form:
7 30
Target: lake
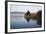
17 21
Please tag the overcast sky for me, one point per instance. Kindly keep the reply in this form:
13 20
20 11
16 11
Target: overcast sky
24 8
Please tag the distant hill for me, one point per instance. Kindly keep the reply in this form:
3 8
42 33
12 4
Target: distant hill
18 12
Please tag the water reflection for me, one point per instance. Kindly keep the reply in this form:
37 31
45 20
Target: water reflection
27 19
17 22
39 22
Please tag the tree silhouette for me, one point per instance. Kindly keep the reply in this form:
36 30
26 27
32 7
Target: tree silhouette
39 13
28 13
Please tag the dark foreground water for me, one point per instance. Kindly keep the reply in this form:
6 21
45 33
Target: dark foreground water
17 22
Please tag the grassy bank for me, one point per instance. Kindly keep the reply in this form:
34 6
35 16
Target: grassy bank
33 17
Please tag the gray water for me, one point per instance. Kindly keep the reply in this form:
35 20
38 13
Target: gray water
17 21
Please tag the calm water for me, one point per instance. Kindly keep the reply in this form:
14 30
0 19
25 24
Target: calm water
18 21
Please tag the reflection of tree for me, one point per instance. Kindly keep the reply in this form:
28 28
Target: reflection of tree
28 19
39 20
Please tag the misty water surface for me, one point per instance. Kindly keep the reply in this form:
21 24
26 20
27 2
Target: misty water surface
18 21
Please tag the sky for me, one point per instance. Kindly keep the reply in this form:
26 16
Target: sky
24 8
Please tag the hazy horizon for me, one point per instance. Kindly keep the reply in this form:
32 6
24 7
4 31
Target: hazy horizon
25 8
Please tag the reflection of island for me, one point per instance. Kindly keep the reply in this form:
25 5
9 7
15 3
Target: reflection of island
35 16
27 16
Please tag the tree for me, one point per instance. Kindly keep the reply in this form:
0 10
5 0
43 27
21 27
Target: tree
39 13
28 13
